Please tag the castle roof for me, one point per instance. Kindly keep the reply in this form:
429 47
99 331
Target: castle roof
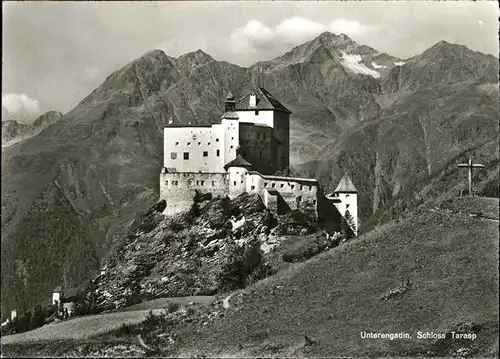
230 115
239 161
346 185
265 101
57 289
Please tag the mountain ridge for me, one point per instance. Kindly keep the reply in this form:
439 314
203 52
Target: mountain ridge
13 131
100 162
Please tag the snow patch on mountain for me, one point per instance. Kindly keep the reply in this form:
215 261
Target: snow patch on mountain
399 63
376 66
353 63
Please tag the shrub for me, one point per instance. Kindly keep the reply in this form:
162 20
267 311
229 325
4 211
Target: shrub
306 247
124 330
173 307
38 318
240 263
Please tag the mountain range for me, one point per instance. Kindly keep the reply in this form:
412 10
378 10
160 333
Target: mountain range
397 126
14 131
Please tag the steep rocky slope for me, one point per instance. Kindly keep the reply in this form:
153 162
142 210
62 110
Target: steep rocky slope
393 130
13 131
217 246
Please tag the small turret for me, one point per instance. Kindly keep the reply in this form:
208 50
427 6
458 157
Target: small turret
230 108
230 103
347 194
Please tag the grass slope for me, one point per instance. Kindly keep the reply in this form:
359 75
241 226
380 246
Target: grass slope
80 327
450 260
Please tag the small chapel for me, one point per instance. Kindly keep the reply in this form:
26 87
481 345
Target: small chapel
241 152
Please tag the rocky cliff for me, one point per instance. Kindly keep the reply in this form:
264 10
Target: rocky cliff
218 245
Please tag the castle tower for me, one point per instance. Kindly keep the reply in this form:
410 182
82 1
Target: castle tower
348 200
261 108
230 124
238 169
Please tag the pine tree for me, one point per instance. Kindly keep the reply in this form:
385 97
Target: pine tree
350 220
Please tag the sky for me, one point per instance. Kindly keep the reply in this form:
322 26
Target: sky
55 54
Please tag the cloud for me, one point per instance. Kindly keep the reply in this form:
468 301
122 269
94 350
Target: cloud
17 103
348 27
255 36
91 73
298 29
251 37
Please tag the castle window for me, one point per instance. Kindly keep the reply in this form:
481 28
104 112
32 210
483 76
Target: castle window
213 183
216 140
265 184
231 147
282 185
256 112
186 155
273 185
177 144
314 201
209 144
197 183
260 154
218 153
310 188
347 195
301 187
242 182
205 153
293 186
234 183
166 183
346 206
199 144
189 144
232 138
202 183
252 188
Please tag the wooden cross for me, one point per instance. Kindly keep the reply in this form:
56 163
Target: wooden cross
470 166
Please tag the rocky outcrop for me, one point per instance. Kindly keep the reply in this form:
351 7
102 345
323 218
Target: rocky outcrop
215 246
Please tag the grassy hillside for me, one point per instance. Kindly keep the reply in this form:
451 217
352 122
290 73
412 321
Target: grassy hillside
435 270
444 264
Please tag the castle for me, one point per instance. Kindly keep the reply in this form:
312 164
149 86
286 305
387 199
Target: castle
240 153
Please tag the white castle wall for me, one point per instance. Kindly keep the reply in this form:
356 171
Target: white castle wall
296 193
348 201
263 117
237 181
178 189
205 146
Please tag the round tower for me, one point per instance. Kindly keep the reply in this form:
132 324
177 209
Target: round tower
238 169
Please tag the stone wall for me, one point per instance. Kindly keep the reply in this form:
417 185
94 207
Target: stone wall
255 142
294 193
282 135
178 189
